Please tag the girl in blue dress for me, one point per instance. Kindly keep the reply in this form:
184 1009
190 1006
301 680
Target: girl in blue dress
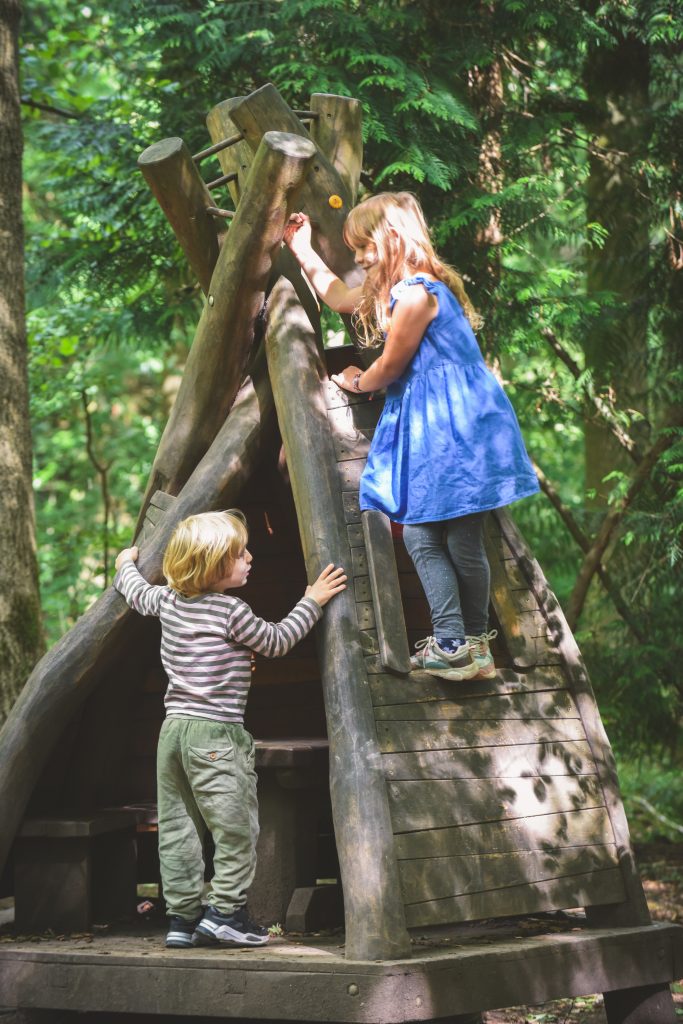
447 447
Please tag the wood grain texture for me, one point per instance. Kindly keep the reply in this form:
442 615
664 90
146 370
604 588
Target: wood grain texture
395 737
543 831
547 704
337 132
236 159
178 187
386 594
509 761
440 878
375 924
552 894
217 360
422 805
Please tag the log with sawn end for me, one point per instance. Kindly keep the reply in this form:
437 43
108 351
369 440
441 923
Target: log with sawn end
217 361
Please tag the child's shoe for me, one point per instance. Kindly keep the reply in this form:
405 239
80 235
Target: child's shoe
481 653
180 932
430 658
234 929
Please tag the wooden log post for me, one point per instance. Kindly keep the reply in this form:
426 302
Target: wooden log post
177 185
71 670
237 159
337 133
375 920
225 334
265 110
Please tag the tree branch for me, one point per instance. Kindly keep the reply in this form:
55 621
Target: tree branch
102 470
612 519
48 109
584 543
600 405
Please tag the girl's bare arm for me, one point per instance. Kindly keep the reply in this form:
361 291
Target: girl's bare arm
410 319
329 287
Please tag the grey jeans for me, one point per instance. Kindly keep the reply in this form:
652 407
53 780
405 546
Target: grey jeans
206 780
451 562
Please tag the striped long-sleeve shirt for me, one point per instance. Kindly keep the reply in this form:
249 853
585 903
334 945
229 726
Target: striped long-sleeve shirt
206 644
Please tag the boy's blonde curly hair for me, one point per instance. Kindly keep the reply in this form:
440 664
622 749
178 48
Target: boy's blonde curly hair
203 549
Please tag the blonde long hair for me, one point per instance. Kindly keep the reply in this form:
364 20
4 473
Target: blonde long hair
203 549
399 254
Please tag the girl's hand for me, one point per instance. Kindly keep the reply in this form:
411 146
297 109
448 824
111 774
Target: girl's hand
331 581
127 555
345 378
298 235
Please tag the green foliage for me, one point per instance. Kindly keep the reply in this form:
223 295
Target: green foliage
484 111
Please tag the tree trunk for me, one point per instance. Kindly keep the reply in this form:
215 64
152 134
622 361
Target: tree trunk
617 81
21 636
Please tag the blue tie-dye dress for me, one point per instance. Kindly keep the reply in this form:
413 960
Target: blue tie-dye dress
447 443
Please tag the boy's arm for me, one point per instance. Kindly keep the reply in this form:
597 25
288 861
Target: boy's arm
140 595
274 639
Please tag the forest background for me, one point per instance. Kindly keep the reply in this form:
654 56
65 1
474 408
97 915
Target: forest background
544 139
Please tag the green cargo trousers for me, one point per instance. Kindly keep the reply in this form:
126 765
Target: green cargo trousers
206 781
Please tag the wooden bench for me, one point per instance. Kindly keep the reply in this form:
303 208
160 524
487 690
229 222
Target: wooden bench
72 872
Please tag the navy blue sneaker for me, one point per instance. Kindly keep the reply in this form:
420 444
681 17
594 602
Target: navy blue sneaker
180 932
234 929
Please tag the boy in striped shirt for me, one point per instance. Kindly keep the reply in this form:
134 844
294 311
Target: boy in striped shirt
205 758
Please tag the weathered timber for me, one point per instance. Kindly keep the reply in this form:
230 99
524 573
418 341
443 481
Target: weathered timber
529 832
439 878
71 669
177 185
634 910
525 898
265 110
468 970
645 1004
395 737
547 704
237 159
520 645
442 804
388 689
515 760
217 360
337 133
394 652
375 926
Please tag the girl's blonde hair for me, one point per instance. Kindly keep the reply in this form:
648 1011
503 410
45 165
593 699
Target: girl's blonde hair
203 549
400 252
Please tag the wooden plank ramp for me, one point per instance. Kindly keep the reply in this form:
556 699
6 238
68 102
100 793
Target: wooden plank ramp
496 802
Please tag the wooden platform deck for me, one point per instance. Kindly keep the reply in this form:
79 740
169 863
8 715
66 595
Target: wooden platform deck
454 970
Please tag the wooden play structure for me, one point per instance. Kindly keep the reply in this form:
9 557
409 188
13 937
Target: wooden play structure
444 824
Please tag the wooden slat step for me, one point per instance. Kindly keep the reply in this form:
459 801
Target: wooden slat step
523 760
440 878
589 827
419 686
395 737
531 705
416 806
394 653
595 887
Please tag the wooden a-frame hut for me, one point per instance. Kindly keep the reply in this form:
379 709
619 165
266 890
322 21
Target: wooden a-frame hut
483 807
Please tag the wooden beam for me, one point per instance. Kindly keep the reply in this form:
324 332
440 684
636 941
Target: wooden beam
394 653
375 922
177 185
71 669
225 334
337 132
237 159
265 110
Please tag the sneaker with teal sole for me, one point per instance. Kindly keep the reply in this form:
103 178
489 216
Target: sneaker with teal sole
430 658
481 654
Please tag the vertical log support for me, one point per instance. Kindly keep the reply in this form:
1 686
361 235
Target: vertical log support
337 134
236 159
265 110
217 361
375 920
176 184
